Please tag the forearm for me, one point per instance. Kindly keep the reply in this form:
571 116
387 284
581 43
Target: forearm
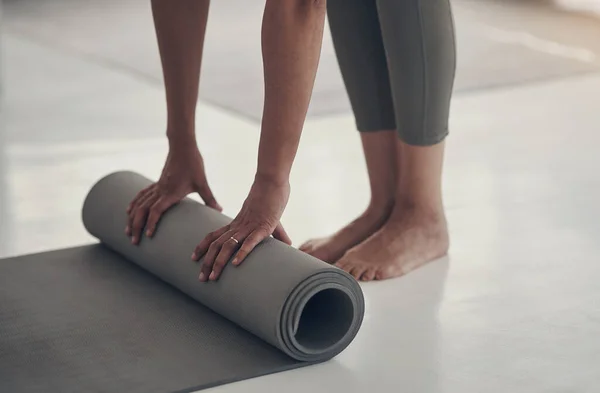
180 28
292 33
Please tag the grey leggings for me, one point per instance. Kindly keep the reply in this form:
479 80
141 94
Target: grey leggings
398 61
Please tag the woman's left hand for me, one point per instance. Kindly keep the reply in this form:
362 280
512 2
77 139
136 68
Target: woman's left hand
257 220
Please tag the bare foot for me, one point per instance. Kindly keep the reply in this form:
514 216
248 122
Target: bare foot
408 240
332 248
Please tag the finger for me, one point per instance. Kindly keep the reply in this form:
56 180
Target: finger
280 234
131 206
211 255
156 211
202 247
248 245
134 211
140 217
207 196
227 250
137 197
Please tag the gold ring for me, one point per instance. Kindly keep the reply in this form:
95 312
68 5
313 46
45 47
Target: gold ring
235 240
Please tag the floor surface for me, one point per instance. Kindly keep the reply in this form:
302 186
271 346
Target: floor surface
516 305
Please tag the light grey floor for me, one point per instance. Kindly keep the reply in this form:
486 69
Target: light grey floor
514 308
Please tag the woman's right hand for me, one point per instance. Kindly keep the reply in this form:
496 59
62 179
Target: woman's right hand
182 175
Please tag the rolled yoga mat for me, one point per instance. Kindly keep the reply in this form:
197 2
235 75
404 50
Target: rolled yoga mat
114 317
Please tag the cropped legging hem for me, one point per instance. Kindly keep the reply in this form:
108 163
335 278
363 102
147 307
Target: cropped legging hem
410 139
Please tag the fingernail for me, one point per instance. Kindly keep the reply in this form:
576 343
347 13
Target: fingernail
194 256
212 276
149 233
127 229
235 261
134 240
201 278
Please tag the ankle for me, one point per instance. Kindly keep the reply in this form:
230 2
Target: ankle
423 210
379 209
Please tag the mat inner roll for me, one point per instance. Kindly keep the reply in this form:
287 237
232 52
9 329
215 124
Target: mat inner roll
325 320
307 308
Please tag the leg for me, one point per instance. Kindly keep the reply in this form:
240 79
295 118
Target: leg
419 41
416 231
380 153
359 47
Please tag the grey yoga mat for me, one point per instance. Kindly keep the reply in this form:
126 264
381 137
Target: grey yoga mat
114 317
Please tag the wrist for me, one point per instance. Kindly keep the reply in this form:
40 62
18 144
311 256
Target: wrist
274 166
183 134
181 125
183 147
274 178
181 138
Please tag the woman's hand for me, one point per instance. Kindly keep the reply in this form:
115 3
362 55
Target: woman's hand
291 37
182 175
257 220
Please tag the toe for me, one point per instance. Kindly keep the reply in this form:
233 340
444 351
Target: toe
348 260
356 271
324 255
388 272
306 246
339 264
369 274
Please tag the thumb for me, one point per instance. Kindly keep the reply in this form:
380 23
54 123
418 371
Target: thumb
280 234
207 196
